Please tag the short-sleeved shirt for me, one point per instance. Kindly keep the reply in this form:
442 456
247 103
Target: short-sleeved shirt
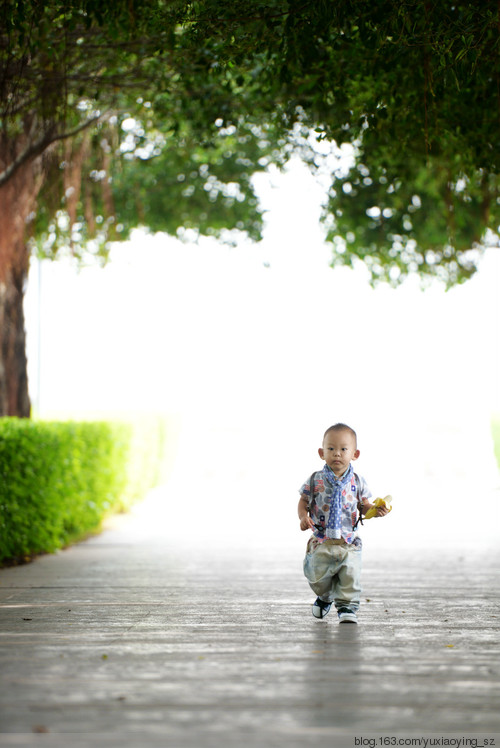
320 505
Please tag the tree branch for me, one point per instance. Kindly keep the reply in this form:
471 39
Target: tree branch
37 147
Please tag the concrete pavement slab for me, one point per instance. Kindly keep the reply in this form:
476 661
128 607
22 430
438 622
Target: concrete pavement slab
132 639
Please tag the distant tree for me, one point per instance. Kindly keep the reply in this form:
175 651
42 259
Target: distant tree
148 113
56 64
85 156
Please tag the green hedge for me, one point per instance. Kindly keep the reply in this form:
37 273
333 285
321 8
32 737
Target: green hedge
147 458
58 480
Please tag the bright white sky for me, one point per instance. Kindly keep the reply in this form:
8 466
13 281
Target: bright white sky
260 348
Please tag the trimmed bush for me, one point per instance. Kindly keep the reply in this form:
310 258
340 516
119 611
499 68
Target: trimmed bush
146 464
58 481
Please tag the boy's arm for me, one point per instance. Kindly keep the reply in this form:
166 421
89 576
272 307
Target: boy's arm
306 522
364 505
365 496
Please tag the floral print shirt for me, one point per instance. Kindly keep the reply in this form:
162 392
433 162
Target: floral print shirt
321 504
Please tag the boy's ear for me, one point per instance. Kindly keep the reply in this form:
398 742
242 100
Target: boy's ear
321 453
356 454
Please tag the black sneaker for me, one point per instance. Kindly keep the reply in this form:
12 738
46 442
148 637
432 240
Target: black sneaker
320 609
346 615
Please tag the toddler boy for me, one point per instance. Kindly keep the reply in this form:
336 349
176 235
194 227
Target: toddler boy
331 504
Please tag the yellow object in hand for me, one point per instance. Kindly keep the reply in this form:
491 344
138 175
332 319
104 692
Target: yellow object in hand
372 512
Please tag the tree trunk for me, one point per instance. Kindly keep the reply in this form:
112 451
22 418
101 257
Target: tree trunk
17 201
14 397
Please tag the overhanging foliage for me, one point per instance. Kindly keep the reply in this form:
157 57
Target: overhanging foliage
414 86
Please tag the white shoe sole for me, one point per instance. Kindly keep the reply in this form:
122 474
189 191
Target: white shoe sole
348 618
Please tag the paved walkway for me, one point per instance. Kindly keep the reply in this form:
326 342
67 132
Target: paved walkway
131 640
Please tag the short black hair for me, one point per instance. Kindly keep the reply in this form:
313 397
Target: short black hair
341 427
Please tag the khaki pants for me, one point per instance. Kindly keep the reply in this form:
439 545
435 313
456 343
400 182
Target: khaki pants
333 570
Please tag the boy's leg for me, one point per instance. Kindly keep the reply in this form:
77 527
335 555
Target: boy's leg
348 586
322 565
318 572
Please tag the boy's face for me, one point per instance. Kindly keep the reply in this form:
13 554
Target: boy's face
339 448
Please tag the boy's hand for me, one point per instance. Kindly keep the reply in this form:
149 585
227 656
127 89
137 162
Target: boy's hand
306 523
379 508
